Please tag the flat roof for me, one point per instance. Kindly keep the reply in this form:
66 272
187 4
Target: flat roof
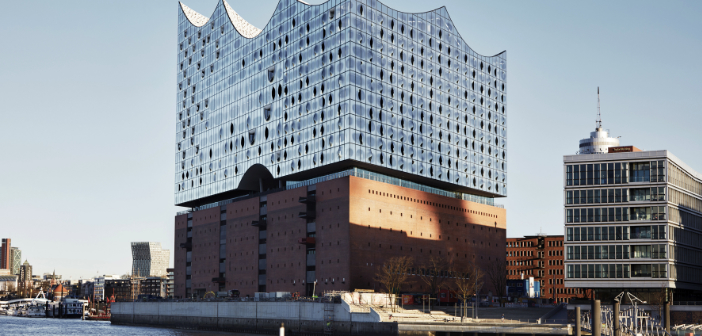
657 154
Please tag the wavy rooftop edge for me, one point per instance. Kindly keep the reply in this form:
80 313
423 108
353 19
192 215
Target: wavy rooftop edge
247 30
242 26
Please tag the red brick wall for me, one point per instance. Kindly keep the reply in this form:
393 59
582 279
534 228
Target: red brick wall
333 247
285 257
388 220
205 255
179 256
242 246
400 221
527 252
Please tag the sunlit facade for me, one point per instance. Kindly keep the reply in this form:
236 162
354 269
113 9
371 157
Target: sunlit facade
633 220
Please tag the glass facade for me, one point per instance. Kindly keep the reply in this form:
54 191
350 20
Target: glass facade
149 259
644 223
340 82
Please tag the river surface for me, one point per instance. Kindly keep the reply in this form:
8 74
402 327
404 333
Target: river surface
11 325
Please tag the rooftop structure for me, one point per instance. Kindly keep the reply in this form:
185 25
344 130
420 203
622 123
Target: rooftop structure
599 141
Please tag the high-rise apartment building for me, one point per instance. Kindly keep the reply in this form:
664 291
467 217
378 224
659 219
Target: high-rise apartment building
313 132
16 262
25 275
6 253
149 259
633 221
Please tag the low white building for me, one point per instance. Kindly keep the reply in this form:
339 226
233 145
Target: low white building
8 282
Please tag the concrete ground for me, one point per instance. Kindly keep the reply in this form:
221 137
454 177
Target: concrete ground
511 314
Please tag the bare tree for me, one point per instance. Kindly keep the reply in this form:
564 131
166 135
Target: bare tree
434 274
497 275
657 299
467 278
394 274
11 288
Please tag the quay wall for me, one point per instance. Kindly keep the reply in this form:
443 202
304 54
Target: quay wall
258 317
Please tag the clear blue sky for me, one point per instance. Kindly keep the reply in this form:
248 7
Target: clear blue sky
88 104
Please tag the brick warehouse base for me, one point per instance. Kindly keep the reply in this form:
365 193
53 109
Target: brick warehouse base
338 232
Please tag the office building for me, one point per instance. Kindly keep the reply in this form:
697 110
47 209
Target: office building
118 289
153 287
149 259
332 127
16 262
541 257
633 221
6 254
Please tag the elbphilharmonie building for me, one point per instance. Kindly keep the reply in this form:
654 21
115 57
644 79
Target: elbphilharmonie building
325 87
338 136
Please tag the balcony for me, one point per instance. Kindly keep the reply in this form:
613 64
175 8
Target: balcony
307 200
186 245
219 280
306 241
307 215
259 223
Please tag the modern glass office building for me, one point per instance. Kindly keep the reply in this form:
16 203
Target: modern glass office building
633 221
323 88
149 260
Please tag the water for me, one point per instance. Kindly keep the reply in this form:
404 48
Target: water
11 325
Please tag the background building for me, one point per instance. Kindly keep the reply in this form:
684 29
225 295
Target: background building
16 263
149 259
25 276
6 253
357 131
87 289
170 285
121 289
8 283
153 287
541 257
633 221
99 286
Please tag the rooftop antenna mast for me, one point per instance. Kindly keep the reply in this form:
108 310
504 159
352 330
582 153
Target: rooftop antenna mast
599 116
